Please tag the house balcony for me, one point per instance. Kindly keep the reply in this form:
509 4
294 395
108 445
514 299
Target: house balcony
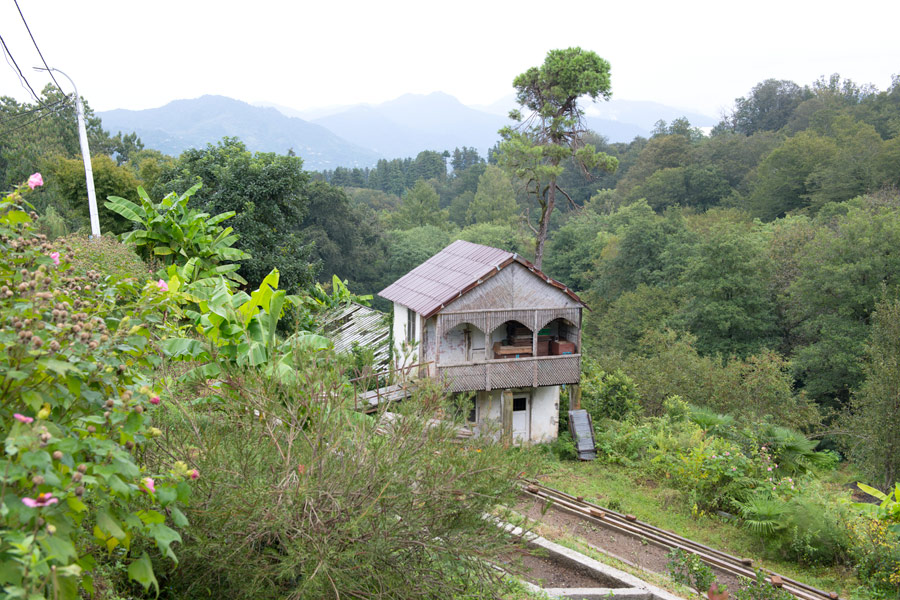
510 373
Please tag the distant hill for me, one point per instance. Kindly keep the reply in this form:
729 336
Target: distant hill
414 122
184 124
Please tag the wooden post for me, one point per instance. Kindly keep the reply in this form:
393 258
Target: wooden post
575 396
506 408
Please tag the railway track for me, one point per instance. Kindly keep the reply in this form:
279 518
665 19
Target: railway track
629 525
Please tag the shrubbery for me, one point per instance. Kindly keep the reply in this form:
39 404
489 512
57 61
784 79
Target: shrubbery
75 402
302 497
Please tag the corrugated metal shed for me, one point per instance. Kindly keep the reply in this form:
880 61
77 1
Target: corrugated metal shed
451 273
355 323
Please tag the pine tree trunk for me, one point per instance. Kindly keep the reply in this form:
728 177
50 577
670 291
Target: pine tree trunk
544 225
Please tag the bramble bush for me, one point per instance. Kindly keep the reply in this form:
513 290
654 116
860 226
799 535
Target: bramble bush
75 408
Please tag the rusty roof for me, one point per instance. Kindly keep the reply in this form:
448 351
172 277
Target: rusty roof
452 272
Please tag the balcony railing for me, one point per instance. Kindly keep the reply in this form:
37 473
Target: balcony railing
511 373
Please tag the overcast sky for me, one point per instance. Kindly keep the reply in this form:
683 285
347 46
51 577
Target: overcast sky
692 55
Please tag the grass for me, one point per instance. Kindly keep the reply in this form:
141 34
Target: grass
630 491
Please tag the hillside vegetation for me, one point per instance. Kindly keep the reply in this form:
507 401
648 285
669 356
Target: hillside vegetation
741 348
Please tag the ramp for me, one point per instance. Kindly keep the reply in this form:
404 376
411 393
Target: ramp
582 429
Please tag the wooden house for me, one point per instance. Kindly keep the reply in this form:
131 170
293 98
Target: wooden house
487 321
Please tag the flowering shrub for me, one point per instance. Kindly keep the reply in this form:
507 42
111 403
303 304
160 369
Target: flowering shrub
74 413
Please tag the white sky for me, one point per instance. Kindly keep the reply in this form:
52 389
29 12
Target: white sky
692 55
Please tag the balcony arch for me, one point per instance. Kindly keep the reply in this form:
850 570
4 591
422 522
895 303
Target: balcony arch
464 342
562 331
511 339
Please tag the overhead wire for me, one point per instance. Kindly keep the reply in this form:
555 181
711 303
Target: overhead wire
10 117
22 77
53 111
36 46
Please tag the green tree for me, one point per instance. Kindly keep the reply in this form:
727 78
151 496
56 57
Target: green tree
873 418
553 132
783 183
840 274
497 235
419 206
266 192
727 282
768 107
409 248
495 200
68 191
346 236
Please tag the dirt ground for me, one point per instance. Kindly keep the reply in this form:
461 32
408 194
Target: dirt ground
544 572
637 552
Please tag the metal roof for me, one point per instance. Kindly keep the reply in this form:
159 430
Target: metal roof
451 273
357 324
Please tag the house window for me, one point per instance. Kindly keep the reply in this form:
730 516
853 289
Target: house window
410 325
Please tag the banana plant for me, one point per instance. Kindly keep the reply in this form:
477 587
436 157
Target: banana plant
177 235
237 327
888 510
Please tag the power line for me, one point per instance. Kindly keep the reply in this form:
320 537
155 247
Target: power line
36 46
39 117
34 110
21 74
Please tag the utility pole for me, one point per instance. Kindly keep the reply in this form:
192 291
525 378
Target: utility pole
86 156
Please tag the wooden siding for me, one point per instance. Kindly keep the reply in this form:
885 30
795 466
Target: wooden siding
511 373
512 288
489 320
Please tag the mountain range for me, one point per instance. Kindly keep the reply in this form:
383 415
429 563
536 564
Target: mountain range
358 135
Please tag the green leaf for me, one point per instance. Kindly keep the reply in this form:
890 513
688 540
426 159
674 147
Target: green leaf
141 571
15 217
150 517
871 491
165 495
164 537
126 208
59 548
76 504
178 517
109 525
57 366
184 347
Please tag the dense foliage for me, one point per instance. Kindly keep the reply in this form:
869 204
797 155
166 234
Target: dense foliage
77 395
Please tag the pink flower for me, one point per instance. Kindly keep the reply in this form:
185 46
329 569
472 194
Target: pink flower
22 418
55 257
728 454
195 474
45 499
154 400
769 469
734 468
149 484
35 180
162 285
773 488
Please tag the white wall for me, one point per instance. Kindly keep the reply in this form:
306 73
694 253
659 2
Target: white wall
403 355
544 413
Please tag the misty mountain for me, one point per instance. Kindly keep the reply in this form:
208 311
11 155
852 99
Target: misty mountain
414 122
184 124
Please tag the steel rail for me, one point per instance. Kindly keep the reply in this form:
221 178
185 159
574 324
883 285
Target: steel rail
660 537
